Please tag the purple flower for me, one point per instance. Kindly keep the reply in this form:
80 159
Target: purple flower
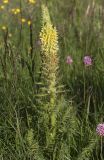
100 129
87 61
69 60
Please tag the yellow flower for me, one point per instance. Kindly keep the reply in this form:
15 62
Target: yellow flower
23 20
29 22
10 35
5 1
32 1
18 10
4 28
2 7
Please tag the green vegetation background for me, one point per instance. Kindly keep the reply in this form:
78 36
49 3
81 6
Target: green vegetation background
80 26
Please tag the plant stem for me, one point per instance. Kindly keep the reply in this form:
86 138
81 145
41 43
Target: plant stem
101 154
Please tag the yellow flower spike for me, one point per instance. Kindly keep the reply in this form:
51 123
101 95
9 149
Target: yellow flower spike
32 1
50 65
49 40
5 1
49 47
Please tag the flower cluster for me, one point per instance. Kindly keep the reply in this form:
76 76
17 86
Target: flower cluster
15 10
4 2
23 21
100 129
87 60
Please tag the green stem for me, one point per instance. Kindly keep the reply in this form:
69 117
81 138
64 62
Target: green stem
101 154
84 85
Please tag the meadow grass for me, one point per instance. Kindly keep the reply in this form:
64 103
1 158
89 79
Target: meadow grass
49 109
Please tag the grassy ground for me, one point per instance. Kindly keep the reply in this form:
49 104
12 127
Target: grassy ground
27 131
